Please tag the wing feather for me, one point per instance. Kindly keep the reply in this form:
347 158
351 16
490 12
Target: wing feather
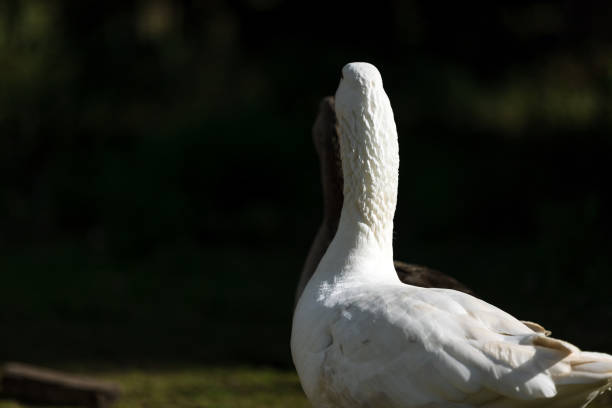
434 348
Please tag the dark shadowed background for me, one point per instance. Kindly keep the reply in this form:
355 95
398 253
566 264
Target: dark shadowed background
159 189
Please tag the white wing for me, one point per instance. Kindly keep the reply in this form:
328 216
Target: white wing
402 346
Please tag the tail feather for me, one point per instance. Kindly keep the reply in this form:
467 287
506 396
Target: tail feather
587 367
589 379
583 380
594 362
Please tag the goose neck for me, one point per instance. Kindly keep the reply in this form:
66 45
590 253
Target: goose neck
370 163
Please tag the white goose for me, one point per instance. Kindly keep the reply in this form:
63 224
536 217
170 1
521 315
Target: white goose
361 338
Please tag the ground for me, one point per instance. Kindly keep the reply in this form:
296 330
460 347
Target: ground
218 387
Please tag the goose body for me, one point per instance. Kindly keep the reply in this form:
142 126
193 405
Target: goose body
325 139
362 338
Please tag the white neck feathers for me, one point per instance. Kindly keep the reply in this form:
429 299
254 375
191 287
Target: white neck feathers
370 156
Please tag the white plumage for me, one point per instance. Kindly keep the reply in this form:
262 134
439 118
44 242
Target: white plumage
361 338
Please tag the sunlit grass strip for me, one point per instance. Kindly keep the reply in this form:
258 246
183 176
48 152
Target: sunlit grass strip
218 387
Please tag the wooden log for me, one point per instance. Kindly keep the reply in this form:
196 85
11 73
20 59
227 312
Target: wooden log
38 385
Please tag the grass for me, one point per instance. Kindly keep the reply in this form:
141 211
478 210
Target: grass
235 387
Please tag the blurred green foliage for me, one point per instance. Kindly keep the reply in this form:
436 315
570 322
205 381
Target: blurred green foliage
159 189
